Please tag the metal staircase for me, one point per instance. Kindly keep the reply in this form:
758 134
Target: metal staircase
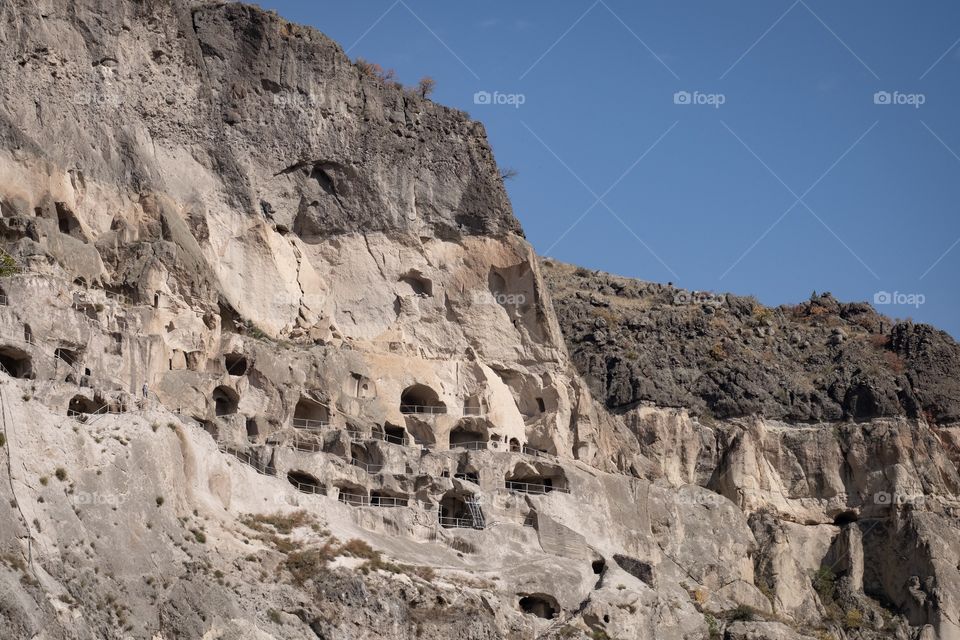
476 513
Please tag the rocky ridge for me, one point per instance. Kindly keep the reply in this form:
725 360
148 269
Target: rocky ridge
730 356
278 363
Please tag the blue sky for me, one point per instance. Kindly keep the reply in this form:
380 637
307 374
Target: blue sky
776 173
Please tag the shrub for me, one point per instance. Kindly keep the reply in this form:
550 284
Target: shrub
8 266
199 535
359 549
61 474
3 439
375 71
742 612
44 480
853 619
303 565
159 501
824 584
426 86
282 523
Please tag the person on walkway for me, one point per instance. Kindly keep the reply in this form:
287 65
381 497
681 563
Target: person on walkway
145 390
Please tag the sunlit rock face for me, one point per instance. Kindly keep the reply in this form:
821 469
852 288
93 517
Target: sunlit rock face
277 362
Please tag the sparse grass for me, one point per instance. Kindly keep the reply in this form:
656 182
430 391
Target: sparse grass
283 523
359 549
853 619
824 584
305 564
44 480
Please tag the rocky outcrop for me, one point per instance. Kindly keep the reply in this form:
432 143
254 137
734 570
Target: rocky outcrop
276 362
729 356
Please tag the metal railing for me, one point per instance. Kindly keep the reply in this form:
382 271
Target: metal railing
473 446
91 417
456 523
422 409
306 487
3 300
369 467
473 411
390 439
361 500
246 459
310 425
532 487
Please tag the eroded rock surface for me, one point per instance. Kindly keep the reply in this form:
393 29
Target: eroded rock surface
278 363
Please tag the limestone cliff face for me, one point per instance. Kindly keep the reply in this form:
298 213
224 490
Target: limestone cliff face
277 362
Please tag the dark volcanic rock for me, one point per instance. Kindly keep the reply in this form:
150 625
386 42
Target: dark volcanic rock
820 360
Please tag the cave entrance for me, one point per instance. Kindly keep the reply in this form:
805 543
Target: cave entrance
226 401
67 222
460 511
421 399
540 605
523 479
394 434
235 364
310 414
16 362
81 405
305 483
69 356
352 494
463 438
388 499
417 284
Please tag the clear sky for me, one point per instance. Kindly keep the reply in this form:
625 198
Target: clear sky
778 172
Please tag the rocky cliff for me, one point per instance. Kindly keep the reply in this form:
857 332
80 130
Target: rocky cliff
277 362
729 356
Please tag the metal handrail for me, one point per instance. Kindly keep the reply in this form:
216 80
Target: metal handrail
531 487
311 425
473 411
390 439
419 408
459 523
478 445
361 500
306 487
368 467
